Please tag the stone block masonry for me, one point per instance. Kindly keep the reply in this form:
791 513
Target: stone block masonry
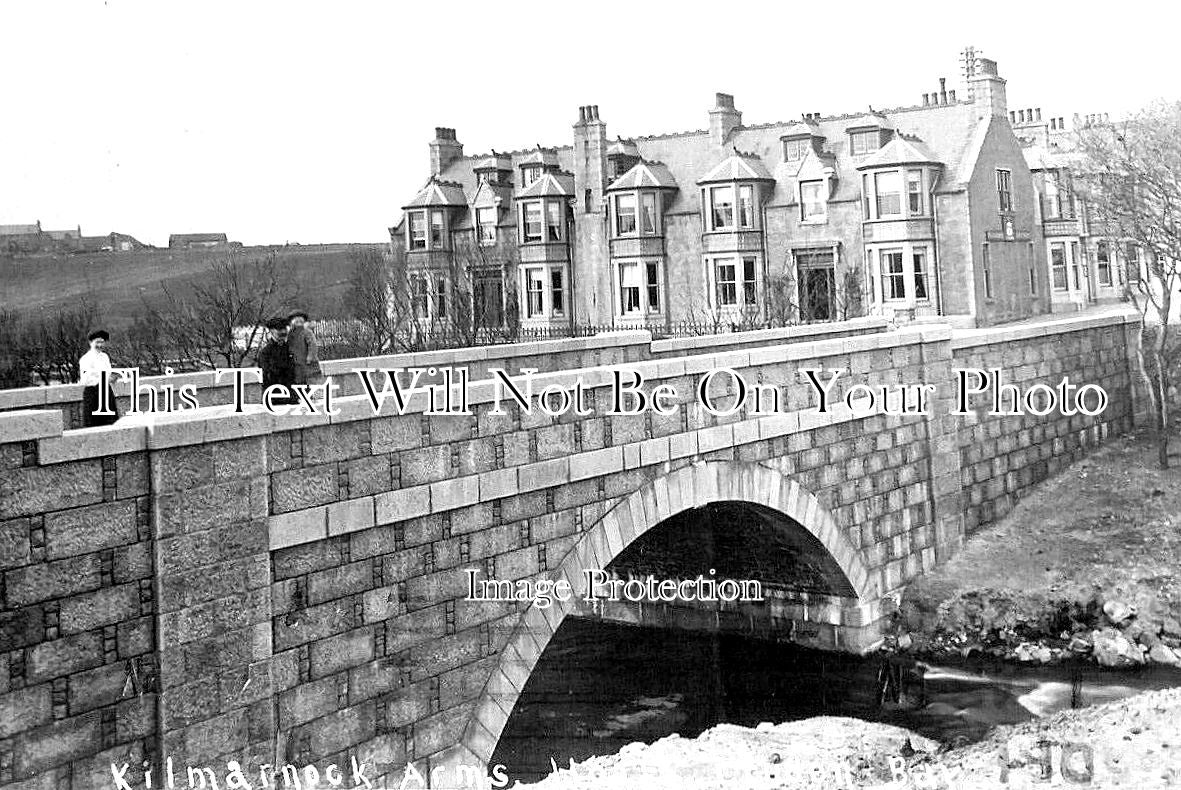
273 590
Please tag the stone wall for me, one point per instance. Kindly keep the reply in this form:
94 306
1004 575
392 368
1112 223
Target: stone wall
289 589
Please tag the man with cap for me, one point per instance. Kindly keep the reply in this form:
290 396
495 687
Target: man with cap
90 368
275 359
304 349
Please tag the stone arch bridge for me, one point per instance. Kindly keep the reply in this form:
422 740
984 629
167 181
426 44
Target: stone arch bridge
212 586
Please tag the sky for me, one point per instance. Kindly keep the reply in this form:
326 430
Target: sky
309 122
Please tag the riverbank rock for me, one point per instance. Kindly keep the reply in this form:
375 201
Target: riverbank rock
1112 649
1117 611
1160 654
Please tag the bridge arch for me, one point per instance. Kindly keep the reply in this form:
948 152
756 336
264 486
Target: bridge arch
695 485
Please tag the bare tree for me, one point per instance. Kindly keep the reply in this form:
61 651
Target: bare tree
216 320
377 298
1131 176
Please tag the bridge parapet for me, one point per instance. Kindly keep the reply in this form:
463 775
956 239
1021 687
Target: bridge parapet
290 589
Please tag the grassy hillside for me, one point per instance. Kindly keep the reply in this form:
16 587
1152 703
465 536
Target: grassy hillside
117 281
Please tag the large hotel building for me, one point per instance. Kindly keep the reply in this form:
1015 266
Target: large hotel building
956 208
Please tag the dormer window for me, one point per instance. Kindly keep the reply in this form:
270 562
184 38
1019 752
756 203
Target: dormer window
530 174
795 150
864 142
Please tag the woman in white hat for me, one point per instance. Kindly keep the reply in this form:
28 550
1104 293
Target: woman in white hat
90 368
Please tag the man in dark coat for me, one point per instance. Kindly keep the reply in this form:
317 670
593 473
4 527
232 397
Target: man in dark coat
304 349
275 359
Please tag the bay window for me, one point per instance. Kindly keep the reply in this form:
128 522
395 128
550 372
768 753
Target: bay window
721 201
919 258
486 224
553 220
534 292
888 188
418 230
893 275
625 214
639 288
419 296
531 221
813 206
647 212
914 192
440 298
746 206
557 293
544 290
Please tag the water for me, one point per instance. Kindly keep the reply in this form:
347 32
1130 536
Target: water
600 686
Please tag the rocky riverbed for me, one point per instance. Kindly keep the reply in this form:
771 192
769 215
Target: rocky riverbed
1130 743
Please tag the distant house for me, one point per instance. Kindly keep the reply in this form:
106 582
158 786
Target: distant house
112 242
185 241
21 238
63 240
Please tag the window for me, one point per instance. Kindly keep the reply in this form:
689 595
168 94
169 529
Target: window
553 216
534 292
725 282
987 272
722 208
647 212
795 150
418 230
865 197
1032 272
813 207
652 276
625 214
893 275
486 222
1103 263
436 229
532 224
888 187
557 293
440 298
1074 264
861 143
746 206
1058 265
1004 190
919 258
530 174
588 201
1132 257
914 192
749 290
629 288
419 296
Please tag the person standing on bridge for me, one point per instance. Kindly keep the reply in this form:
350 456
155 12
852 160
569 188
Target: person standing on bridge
304 349
275 360
90 369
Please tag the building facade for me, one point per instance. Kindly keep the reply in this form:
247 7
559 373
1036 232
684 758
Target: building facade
1088 263
912 213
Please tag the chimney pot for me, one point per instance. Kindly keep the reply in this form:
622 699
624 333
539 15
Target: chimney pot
724 100
951 95
1038 113
1012 116
1061 122
926 99
582 114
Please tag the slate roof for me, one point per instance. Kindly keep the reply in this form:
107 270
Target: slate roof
623 147
1041 158
645 175
20 230
196 238
540 156
951 133
737 167
438 193
899 151
549 185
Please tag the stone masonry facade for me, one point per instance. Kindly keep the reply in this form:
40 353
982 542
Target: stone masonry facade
273 590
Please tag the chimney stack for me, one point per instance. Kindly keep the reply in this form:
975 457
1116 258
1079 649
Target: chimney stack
445 149
943 90
723 119
986 86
